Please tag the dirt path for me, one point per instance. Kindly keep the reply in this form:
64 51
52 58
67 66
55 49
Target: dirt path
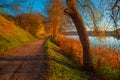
24 63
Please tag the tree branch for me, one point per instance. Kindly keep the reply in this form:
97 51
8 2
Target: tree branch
67 12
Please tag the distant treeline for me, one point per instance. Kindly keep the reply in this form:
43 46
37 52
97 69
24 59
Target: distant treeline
92 33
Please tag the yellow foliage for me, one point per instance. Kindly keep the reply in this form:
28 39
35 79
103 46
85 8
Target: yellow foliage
41 30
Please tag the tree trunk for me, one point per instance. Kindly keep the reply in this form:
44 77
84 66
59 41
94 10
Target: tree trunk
73 12
57 30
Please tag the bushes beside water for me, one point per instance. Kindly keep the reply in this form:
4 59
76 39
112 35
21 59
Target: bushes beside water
106 61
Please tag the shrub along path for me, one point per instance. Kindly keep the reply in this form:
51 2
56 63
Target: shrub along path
23 63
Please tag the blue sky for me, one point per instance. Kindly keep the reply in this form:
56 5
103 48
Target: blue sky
40 6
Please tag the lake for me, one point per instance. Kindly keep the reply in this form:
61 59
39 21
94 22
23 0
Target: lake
110 41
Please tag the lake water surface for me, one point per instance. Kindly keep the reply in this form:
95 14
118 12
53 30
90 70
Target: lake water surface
110 42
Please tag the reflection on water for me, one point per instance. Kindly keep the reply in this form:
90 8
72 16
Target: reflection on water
110 42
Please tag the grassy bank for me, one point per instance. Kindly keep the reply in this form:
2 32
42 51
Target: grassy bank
12 36
106 62
61 67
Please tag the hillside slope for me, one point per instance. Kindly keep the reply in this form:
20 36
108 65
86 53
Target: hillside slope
11 35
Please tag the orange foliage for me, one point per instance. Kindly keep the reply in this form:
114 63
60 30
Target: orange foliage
106 55
5 26
73 49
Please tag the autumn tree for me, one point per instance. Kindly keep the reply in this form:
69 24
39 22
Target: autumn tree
73 12
15 6
56 14
31 23
115 15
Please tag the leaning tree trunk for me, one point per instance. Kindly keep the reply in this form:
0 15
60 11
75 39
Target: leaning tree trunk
73 12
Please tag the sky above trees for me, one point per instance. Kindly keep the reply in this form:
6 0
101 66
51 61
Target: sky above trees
101 9
26 5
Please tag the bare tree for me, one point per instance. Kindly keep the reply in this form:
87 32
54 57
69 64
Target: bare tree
115 15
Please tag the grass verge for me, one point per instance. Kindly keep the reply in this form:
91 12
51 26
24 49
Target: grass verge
59 66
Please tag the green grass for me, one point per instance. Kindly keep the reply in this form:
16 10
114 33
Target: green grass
109 73
61 67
